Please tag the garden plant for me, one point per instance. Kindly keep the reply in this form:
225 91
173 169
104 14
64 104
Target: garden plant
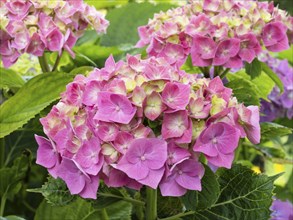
146 110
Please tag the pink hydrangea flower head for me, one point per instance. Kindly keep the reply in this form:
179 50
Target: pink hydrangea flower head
183 176
142 122
218 142
36 26
144 161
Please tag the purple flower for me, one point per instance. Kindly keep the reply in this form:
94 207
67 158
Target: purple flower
144 161
183 176
218 142
114 108
281 210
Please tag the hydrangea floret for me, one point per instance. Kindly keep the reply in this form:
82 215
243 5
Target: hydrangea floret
35 26
217 33
142 123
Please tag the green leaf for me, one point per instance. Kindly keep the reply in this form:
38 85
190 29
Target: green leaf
33 97
11 177
168 206
243 195
245 91
84 70
11 217
287 54
55 192
83 210
189 68
106 3
200 200
254 68
262 84
124 23
10 79
273 76
270 130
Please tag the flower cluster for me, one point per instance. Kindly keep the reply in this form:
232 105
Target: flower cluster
35 26
142 122
280 105
281 210
219 33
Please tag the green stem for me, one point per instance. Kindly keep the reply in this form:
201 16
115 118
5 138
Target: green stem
151 204
3 201
175 217
133 201
2 152
43 63
223 74
57 61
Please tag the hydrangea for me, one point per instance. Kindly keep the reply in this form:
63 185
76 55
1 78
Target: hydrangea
218 33
142 122
281 210
35 26
280 105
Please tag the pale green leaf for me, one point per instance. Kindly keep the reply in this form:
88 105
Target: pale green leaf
10 79
33 97
273 76
271 130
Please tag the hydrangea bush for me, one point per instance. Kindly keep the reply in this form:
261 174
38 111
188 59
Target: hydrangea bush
174 135
142 122
36 26
218 33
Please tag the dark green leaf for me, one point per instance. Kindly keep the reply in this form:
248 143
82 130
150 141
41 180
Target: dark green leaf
273 76
254 68
33 97
199 200
168 206
124 23
243 195
270 130
82 209
55 192
11 177
245 91
10 79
